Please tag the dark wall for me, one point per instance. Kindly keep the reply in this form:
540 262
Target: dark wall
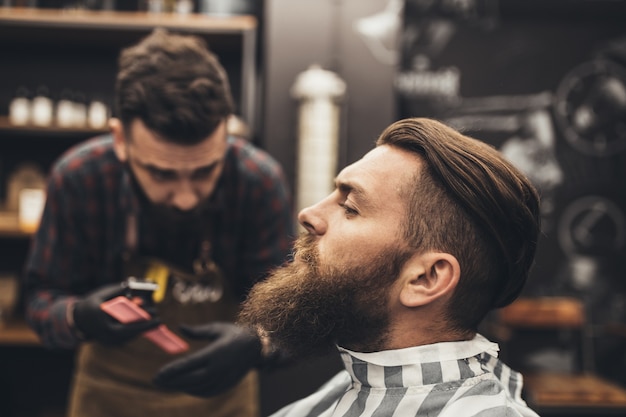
544 82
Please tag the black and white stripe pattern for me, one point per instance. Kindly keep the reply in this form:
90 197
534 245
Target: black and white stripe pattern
449 379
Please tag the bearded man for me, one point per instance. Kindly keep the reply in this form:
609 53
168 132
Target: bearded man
421 238
169 195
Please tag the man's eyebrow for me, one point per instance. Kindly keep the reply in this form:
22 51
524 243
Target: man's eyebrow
148 166
151 167
357 192
206 168
346 187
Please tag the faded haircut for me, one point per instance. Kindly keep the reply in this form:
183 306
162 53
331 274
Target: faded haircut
472 203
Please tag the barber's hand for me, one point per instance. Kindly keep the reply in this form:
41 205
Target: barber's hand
95 324
219 366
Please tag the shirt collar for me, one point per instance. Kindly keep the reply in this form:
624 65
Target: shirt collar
420 365
437 352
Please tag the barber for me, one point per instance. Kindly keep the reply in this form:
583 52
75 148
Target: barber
168 196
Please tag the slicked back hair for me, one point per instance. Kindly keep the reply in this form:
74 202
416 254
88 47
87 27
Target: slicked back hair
472 203
175 85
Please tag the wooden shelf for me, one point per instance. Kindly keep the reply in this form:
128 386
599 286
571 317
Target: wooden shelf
544 312
7 126
10 227
232 38
112 20
17 333
566 391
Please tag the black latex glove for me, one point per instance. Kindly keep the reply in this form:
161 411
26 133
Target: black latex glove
95 324
219 366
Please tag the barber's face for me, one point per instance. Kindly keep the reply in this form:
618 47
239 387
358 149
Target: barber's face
337 288
172 176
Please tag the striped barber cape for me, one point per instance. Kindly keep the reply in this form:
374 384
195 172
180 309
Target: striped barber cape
449 379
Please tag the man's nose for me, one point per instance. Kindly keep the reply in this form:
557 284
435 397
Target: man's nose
185 198
312 220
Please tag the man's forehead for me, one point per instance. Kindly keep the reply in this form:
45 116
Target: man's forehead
381 169
167 155
383 160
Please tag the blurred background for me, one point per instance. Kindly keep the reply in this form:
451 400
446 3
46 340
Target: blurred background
544 81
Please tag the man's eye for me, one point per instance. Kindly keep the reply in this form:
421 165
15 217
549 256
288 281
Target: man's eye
348 210
162 176
202 174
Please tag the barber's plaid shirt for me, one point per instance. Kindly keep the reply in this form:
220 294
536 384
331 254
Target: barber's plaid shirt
451 379
82 236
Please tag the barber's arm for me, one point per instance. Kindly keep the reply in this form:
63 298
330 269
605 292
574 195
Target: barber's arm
62 305
63 321
51 282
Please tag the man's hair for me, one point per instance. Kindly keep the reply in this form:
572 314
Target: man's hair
175 85
470 202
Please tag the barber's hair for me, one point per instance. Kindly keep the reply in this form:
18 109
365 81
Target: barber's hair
175 85
472 203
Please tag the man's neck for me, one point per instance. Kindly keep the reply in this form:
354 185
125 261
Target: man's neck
412 333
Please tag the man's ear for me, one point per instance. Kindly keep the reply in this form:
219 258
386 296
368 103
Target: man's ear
428 277
119 139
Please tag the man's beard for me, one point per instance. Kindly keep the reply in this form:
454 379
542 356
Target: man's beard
307 308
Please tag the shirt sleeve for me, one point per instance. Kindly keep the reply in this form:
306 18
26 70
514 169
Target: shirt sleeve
52 273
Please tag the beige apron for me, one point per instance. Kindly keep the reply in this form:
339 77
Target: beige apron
116 381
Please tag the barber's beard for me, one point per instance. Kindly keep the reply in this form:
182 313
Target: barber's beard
169 219
307 308
173 220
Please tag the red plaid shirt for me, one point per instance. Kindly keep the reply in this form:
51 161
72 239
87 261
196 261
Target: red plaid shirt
82 236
